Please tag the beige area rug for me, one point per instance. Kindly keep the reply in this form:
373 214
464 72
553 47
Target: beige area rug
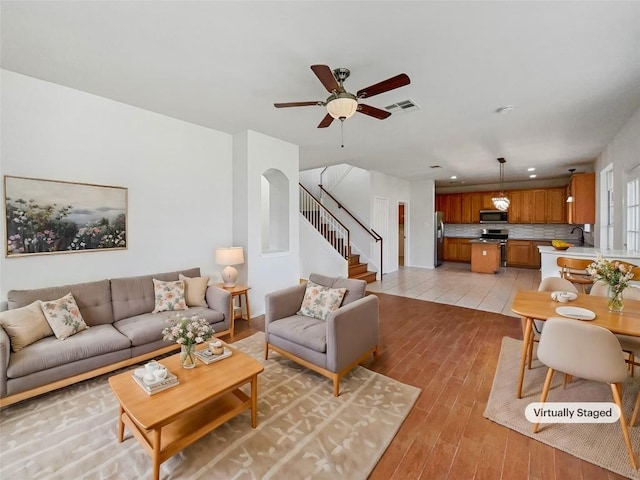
601 444
303 430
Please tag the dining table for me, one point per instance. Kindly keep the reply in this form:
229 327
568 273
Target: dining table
538 305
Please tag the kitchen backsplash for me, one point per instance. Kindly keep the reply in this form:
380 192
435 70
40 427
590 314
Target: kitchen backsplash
517 230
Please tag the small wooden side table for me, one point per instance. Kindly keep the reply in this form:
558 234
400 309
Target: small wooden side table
238 291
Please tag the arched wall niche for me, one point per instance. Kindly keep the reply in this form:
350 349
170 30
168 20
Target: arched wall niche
274 195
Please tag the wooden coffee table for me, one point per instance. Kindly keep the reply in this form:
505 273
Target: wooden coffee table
207 396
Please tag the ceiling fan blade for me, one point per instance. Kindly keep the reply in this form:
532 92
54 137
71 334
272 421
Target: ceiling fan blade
373 111
325 75
326 121
297 104
384 86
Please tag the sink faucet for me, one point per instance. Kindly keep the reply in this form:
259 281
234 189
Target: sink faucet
581 233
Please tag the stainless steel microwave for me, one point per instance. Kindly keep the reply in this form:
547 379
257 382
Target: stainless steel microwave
493 216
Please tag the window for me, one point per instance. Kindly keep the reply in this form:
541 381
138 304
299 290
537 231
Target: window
606 208
633 214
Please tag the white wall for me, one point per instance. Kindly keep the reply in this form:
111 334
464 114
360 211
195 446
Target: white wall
624 153
253 155
178 177
421 224
317 255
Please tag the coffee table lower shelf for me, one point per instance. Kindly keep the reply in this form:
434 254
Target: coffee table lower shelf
169 439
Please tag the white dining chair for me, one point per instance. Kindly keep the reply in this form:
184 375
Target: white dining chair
587 351
548 284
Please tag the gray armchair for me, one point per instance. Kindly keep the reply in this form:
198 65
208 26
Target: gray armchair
331 347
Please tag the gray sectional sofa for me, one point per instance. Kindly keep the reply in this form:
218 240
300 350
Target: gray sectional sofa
122 331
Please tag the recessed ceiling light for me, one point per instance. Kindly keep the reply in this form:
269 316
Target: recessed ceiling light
531 169
533 175
505 109
453 177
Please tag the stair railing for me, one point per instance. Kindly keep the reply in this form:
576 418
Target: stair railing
325 222
372 233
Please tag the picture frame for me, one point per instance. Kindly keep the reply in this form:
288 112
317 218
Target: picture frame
44 217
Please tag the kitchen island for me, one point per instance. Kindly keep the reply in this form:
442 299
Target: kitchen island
549 255
485 256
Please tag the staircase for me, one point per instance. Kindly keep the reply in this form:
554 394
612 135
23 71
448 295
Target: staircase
360 270
335 233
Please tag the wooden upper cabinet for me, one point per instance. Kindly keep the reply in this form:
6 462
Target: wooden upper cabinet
539 206
582 210
515 207
556 205
455 208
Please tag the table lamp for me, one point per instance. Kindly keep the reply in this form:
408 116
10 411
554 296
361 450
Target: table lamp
229 256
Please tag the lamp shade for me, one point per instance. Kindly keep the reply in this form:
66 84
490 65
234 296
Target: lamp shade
343 106
229 256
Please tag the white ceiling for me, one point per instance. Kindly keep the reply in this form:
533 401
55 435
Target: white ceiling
571 69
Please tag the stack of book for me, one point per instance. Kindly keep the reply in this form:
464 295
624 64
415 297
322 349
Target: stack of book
154 387
207 357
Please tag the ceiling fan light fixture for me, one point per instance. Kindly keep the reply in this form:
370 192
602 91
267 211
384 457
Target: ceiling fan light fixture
342 105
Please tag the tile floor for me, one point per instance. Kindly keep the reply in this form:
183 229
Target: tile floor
454 284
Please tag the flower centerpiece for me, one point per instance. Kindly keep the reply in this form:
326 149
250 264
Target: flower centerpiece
616 275
188 332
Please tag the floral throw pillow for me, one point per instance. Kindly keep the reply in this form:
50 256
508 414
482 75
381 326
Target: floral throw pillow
63 316
169 296
320 301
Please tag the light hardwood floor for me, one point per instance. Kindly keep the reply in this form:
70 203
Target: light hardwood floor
455 284
451 354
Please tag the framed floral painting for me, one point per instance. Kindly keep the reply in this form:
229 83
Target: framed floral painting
50 216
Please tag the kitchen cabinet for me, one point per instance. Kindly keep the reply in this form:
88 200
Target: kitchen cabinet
524 253
582 187
519 253
457 249
556 205
538 206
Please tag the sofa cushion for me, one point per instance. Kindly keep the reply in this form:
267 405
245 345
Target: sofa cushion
194 290
63 316
306 331
355 288
51 352
147 328
93 299
169 296
25 325
134 295
319 301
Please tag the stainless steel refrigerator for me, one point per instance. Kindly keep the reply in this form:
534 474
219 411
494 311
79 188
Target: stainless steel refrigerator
438 241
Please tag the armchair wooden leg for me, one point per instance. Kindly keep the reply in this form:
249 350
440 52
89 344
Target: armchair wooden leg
266 351
336 386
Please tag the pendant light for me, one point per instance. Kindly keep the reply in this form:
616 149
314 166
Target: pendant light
501 202
570 195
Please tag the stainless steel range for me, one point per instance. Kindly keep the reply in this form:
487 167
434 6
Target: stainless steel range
496 235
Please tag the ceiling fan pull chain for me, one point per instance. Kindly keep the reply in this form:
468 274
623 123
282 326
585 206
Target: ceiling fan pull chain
342 132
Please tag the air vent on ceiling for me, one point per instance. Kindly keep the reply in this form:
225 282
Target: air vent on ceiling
403 106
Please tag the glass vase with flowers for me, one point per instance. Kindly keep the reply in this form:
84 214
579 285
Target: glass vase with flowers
188 332
616 275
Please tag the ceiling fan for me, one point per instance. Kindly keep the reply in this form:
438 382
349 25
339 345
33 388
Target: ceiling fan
342 104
